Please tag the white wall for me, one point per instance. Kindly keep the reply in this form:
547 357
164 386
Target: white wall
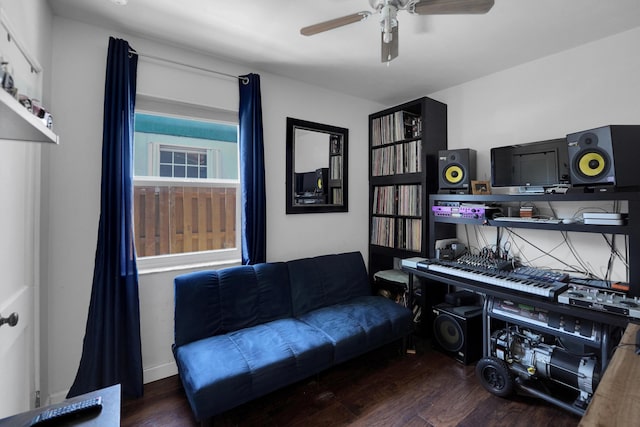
590 86
74 182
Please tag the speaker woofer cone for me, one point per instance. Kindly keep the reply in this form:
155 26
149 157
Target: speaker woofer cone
448 333
592 164
453 174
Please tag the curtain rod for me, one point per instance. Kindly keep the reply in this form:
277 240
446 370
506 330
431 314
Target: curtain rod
245 80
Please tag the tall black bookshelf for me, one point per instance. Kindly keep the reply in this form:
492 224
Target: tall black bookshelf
403 171
335 190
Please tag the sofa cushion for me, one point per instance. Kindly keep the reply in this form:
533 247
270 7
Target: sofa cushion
216 302
400 318
224 371
325 280
196 300
251 295
360 324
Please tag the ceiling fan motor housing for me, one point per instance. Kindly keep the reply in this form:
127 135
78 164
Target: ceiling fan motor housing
398 4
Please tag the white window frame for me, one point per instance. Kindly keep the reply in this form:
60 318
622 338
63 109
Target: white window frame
214 159
190 260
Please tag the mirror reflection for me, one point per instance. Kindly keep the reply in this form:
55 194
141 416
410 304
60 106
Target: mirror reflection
316 167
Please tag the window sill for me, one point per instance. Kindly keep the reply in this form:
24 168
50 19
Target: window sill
180 262
216 265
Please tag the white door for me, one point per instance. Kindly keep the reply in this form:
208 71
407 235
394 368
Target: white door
19 245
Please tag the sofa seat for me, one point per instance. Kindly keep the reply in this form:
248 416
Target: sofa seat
237 367
360 325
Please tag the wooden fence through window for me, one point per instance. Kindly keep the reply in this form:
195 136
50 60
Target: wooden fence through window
178 219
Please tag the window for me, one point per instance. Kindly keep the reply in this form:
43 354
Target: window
186 190
182 163
185 162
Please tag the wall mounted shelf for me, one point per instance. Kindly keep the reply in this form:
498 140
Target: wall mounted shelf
18 124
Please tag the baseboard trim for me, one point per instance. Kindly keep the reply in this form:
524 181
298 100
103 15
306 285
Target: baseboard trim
159 372
148 375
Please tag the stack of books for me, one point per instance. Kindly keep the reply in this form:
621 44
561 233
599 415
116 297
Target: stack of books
526 212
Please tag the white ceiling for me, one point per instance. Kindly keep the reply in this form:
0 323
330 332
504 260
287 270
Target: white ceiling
436 52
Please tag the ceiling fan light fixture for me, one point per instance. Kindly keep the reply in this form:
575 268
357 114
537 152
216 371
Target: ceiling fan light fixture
388 21
390 50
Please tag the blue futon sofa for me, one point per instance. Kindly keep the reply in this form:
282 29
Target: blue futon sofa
245 331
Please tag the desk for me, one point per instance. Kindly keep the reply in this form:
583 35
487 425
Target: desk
109 415
615 402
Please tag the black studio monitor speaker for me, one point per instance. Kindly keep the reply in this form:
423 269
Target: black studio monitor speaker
607 155
457 331
456 170
322 180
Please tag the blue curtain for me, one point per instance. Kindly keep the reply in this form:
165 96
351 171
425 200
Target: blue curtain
111 352
253 199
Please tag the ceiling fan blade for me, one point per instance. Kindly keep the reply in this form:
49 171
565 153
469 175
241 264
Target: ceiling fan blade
334 23
390 50
453 7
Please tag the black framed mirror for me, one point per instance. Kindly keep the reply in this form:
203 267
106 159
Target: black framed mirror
316 167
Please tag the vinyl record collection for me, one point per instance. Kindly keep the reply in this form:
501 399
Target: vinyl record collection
402 200
397 159
395 127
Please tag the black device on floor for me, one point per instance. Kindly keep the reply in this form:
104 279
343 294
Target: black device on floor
457 331
459 298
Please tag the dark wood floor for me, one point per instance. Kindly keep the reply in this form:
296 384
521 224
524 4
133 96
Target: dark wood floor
381 388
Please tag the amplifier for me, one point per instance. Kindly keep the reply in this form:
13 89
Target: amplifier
545 320
472 212
599 300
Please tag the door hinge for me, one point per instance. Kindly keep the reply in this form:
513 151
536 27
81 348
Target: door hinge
37 399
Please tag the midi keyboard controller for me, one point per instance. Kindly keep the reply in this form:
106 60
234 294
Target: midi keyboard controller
496 272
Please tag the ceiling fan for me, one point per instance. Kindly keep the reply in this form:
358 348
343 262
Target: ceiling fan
387 11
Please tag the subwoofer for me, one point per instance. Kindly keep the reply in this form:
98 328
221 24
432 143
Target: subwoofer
456 170
457 331
606 155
